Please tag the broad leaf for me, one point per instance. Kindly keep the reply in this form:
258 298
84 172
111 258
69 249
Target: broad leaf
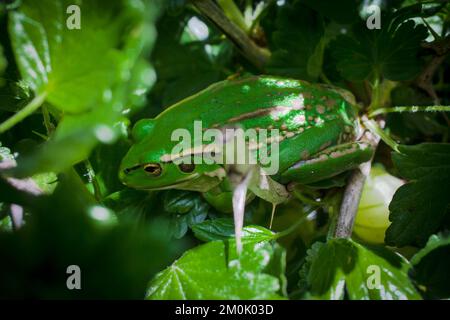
186 209
183 63
102 81
223 228
3 64
431 265
343 267
68 228
53 58
420 207
391 52
178 210
214 271
343 11
298 48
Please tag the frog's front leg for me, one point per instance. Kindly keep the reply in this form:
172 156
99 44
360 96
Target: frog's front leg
328 163
221 197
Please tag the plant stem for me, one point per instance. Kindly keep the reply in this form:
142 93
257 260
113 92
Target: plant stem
375 129
31 107
93 180
375 98
233 13
295 225
306 200
352 194
47 121
256 55
409 109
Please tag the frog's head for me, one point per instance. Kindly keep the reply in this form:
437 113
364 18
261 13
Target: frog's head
146 166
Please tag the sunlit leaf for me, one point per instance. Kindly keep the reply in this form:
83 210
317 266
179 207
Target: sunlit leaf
213 271
420 207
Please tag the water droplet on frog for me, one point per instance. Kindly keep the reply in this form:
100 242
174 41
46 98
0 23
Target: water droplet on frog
245 89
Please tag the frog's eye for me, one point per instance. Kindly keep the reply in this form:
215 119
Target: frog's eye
187 167
153 168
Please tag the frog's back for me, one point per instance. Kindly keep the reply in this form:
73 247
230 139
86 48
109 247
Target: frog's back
259 102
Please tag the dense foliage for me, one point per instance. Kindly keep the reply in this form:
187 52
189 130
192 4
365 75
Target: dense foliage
77 93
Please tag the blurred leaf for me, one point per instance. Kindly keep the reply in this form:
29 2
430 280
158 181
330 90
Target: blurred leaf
298 48
5 153
53 58
132 205
213 271
177 210
431 265
80 132
391 52
342 266
175 6
126 37
223 229
185 67
115 260
106 172
46 182
3 64
343 11
419 208
409 127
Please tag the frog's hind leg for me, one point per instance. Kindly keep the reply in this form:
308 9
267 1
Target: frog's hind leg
328 163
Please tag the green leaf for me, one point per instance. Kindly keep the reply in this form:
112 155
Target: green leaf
178 210
53 58
72 142
213 271
123 31
186 209
343 267
298 48
420 207
3 64
65 228
132 205
185 67
223 229
343 11
106 171
5 153
431 265
391 52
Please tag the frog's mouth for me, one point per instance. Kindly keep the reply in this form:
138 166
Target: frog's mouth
183 184
195 182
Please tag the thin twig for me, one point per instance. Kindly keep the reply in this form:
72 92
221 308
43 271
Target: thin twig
294 227
93 179
441 47
352 194
256 55
47 121
31 107
400 109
